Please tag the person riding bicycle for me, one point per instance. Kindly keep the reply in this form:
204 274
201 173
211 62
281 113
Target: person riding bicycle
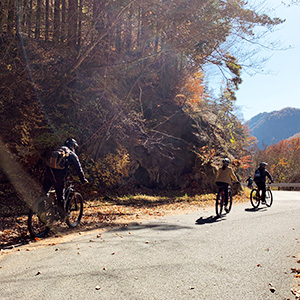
56 177
224 177
249 182
260 179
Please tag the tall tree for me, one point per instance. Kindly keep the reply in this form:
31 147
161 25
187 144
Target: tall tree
72 23
56 21
38 19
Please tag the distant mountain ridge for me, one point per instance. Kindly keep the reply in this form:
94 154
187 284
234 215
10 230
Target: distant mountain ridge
271 128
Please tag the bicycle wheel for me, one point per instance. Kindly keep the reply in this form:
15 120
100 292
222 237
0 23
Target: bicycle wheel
219 203
269 197
255 198
74 209
229 200
36 227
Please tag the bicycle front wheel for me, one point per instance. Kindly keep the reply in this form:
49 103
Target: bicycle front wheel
219 203
269 197
229 200
255 198
74 209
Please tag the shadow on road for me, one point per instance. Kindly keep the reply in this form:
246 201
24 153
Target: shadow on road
208 220
255 209
154 226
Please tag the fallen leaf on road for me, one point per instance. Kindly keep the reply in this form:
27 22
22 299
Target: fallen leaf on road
272 289
296 292
38 273
259 265
98 287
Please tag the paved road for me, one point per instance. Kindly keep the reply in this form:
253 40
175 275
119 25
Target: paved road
191 256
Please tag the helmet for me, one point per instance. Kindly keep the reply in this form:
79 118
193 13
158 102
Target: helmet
263 164
226 161
71 143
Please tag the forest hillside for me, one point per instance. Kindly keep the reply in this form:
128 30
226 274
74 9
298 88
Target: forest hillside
125 79
271 128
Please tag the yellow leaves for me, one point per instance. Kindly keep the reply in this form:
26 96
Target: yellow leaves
282 162
112 168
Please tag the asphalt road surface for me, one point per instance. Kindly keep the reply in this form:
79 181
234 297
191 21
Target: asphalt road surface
245 255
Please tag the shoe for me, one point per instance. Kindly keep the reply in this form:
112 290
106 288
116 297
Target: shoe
263 202
226 209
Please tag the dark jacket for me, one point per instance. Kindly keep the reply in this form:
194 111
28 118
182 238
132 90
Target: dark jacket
263 174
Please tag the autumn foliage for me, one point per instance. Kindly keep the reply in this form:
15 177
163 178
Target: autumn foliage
283 160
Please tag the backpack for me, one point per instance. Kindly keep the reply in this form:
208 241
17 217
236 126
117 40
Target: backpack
58 158
257 175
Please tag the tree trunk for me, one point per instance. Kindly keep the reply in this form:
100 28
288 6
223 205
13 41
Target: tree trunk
11 16
79 23
47 21
56 24
29 19
38 19
63 21
128 32
72 23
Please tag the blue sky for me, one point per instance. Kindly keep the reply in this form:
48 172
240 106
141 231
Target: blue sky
281 87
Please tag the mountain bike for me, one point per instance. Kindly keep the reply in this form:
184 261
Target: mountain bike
73 204
255 197
220 201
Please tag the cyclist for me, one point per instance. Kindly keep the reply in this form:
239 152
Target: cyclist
224 177
249 182
57 177
260 179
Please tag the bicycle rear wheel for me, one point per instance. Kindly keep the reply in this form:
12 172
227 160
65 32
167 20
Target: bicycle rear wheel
255 198
269 197
36 227
219 203
74 209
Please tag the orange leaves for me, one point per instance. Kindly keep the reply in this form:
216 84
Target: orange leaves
283 159
193 91
246 161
